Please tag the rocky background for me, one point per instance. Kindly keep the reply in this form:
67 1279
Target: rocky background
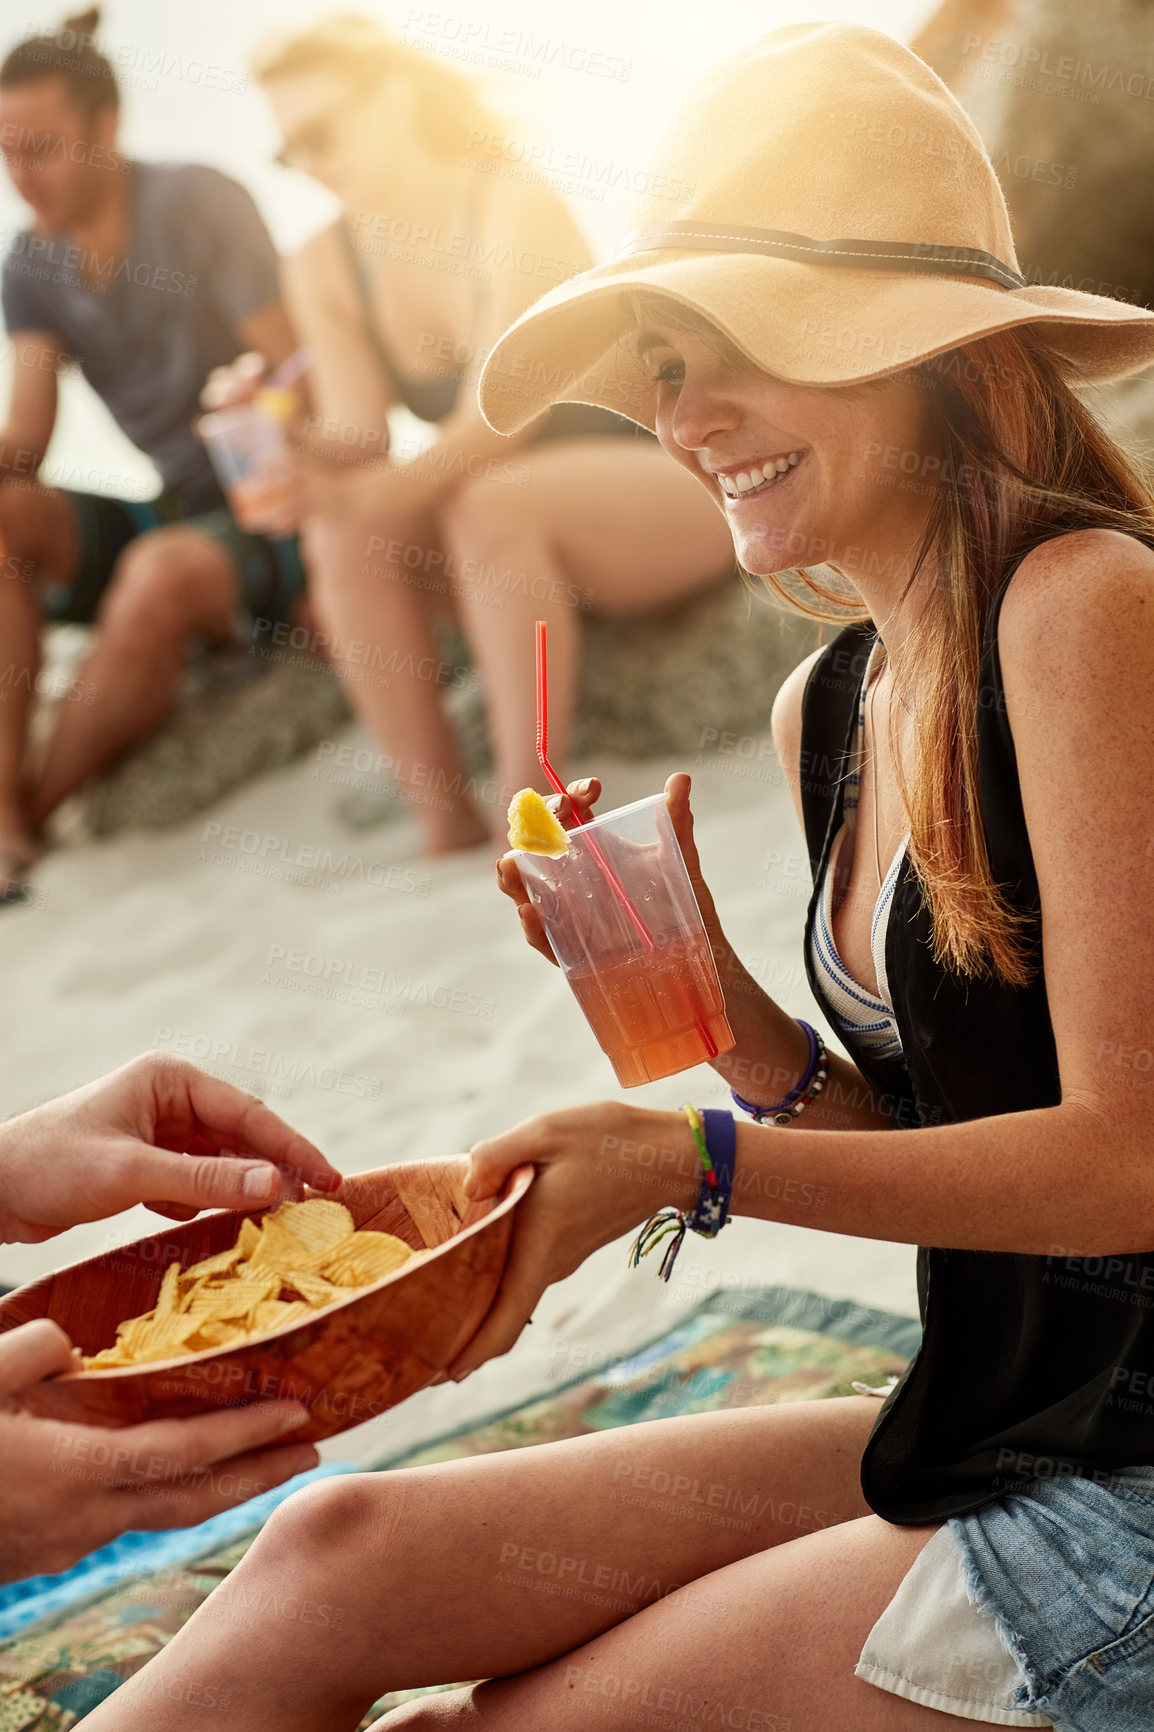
648 686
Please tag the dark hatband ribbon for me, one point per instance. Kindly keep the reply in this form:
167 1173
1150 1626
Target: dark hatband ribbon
928 257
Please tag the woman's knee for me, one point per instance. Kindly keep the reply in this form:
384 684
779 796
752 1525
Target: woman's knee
314 1533
482 514
323 1516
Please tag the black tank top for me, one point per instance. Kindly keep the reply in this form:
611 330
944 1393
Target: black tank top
1029 1364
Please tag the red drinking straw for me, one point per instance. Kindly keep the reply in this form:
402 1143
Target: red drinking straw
551 775
558 786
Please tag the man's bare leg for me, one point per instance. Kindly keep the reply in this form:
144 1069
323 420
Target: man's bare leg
38 533
169 586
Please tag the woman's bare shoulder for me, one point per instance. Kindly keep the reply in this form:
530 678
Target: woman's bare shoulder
520 217
1076 649
785 725
786 715
322 267
1074 581
1078 612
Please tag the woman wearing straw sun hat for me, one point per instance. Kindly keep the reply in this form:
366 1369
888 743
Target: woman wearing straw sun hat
844 354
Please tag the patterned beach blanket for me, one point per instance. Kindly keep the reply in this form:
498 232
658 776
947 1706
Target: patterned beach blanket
754 1349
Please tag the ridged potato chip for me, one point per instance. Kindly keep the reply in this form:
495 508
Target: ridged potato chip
365 1257
289 1266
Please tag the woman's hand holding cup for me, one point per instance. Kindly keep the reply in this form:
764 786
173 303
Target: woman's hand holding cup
571 808
574 807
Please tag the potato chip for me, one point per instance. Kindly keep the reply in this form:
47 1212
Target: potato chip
168 1299
221 1263
366 1257
314 1289
278 1313
157 1338
215 1333
248 1238
290 1265
298 1236
318 1224
237 1298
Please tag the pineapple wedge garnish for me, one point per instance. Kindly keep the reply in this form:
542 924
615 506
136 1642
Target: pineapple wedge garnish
276 402
533 828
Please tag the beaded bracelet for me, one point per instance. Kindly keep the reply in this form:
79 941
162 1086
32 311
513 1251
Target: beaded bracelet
812 1082
715 1134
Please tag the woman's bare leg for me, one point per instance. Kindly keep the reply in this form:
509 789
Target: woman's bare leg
767 1644
385 652
605 524
492 1566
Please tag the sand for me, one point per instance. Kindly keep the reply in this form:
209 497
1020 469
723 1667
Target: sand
218 939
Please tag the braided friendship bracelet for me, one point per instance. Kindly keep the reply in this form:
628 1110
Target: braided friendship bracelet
812 1082
715 1134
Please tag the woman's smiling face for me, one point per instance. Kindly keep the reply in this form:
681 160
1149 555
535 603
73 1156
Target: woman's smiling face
802 473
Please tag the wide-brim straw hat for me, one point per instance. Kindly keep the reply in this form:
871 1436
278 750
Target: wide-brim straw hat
840 220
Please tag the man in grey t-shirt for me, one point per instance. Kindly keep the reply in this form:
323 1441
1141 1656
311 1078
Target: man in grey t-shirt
149 275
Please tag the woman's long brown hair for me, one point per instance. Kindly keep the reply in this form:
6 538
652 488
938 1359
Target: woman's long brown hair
1022 460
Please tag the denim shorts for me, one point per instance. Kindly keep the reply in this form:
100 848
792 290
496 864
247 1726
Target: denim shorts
1066 1569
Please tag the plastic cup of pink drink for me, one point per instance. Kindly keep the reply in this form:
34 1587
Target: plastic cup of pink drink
655 1009
250 454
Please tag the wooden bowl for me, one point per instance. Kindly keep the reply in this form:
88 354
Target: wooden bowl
351 1362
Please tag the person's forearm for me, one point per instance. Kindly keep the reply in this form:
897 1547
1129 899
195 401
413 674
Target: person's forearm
6 1216
12 1132
1059 1181
771 1054
374 482
464 450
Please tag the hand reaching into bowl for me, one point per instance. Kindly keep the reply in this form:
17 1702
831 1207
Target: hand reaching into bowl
160 1132
157 1131
66 1489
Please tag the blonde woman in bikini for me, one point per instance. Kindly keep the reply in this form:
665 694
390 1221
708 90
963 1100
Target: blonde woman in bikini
399 302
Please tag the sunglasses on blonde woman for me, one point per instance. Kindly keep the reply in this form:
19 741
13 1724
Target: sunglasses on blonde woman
315 137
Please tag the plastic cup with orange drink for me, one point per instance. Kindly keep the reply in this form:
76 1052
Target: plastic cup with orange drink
620 913
250 453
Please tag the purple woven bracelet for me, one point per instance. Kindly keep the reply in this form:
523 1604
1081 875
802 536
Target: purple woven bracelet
815 1072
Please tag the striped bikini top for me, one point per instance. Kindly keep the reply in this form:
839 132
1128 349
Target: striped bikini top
868 1018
